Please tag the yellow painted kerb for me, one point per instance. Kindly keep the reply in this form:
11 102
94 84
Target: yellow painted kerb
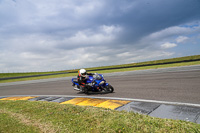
74 101
18 98
112 104
104 103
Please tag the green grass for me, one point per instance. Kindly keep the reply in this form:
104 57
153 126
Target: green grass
34 116
10 124
187 58
134 67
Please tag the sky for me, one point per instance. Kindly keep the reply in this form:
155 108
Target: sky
52 35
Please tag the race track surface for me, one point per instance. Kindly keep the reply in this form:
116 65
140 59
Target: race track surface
173 84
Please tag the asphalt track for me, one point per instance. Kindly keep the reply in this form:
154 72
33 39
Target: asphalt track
180 84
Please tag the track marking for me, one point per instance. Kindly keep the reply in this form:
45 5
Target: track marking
104 103
74 101
137 100
112 104
115 98
18 98
91 102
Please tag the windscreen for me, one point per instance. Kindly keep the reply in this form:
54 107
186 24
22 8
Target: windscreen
97 77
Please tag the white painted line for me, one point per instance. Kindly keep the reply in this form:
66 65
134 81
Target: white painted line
117 98
144 100
35 81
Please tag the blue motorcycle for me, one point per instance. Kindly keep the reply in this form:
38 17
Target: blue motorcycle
94 83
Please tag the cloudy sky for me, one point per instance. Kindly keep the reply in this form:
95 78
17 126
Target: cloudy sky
48 35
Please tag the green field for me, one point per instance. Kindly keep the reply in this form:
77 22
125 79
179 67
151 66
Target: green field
35 117
189 60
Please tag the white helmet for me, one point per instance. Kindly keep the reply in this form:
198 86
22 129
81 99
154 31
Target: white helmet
82 71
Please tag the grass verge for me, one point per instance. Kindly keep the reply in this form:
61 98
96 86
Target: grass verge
10 124
32 116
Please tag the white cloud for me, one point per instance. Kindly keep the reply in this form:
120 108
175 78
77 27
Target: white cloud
151 55
111 29
170 32
168 45
125 54
84 37
181 39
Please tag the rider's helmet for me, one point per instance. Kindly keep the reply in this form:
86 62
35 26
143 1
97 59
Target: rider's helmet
82 72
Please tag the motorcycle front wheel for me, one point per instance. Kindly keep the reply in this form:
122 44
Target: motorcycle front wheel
109 88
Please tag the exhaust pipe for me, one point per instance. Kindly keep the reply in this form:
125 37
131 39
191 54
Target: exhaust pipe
77 89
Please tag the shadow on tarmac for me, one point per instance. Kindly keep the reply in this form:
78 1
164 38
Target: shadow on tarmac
95 93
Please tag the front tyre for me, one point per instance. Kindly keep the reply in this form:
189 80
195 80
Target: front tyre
109 88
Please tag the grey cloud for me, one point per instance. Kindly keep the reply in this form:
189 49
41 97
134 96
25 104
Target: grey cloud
112 31
150 16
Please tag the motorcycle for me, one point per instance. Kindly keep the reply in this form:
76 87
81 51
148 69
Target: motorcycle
94 83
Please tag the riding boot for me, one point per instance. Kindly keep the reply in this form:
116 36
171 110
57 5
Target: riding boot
82 88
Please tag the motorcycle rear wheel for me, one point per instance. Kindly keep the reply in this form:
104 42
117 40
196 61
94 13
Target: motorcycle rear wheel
86 90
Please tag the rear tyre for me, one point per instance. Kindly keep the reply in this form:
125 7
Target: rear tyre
86 90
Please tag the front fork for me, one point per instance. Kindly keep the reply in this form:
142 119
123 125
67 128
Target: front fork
103 87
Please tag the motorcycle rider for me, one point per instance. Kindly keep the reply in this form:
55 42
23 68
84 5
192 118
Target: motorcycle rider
82 75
